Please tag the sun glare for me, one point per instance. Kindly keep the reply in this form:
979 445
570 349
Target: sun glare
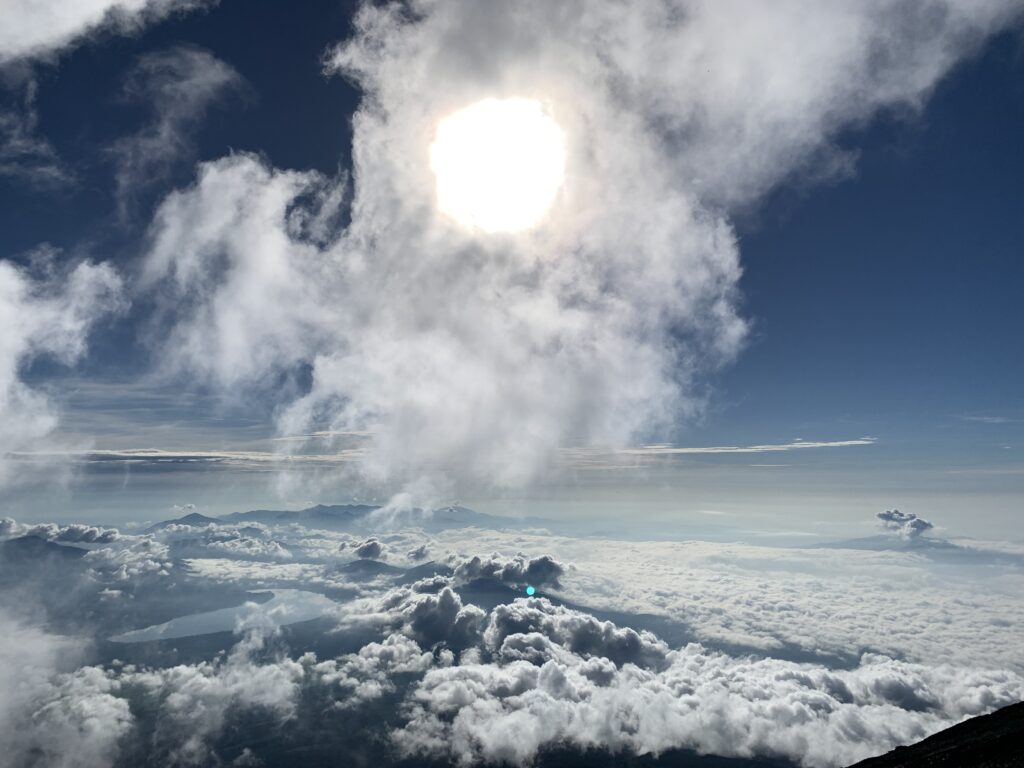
499 164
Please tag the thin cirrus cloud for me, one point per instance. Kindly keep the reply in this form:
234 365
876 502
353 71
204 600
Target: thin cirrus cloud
796 445
179 85
577 457
600 327
25 155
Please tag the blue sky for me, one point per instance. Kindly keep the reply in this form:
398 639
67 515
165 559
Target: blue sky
891 299
883 302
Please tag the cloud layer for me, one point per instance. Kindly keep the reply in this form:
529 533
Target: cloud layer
822 657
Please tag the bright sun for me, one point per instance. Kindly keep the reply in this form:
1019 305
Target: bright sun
499 164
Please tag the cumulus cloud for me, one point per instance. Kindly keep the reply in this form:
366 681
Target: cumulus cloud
367 675
442 618
578 632
51 714
370 549
195 700
906 524
130 559
249 542
705 701
38 28
43 315
75 533
429 611
487 354
77 721
178 85
519 570
81 718
422 552
802 604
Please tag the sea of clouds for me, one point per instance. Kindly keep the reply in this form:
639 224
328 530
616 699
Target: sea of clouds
818 656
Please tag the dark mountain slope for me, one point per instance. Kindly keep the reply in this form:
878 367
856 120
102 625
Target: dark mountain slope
988 741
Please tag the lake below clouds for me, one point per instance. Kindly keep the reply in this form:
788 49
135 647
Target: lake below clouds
287 606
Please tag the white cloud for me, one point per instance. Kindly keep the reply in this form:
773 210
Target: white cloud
370 549
78 718
906 524
75 533
194 700
43 316
796 445
50 713
25 155
895 642
519 570
179 85
797 602
483 356
130 559
365 676
226 254
576 631
39 28
37 31
705 701
76 721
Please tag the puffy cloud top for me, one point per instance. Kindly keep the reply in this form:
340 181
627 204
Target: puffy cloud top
371 549
517 571
578 632
906 524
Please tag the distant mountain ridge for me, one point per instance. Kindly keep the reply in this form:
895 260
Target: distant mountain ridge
36 550
194 519
363 517
890 542
321 515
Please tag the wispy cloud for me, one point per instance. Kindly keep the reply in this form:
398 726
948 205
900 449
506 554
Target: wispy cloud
1005 470
158 456
25 155
992 419
796 445
357 445
323 435
179 85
